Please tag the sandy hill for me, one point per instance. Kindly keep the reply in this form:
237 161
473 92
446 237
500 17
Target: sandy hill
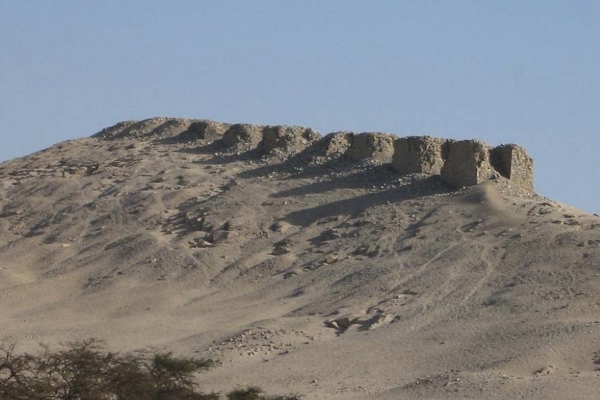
349 266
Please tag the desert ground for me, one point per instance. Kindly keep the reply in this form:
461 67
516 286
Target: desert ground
299 271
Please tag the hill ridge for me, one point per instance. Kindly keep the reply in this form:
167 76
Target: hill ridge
301 270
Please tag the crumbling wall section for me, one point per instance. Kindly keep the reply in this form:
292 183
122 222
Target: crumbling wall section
336 144
513 162
243 136
460 163
205 129
466 163
287 139
377 147
418 154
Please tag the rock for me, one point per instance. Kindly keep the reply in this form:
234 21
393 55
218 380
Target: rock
331 258
219 236
547 370
330 234
280 226
278 251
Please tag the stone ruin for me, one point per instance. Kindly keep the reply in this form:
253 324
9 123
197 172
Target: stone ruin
460 163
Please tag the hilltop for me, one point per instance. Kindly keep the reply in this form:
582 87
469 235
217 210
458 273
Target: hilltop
343 266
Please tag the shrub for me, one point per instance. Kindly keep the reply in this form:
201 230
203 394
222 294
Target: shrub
84 370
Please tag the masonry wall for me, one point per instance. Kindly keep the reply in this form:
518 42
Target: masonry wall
418 154
512 162
460 163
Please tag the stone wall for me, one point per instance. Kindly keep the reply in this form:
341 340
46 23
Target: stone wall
418 154
205 130
459 162
371 146
287 139
466 163
243 136
512 162
336 144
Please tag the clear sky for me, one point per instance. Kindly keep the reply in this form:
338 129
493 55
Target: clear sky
510 71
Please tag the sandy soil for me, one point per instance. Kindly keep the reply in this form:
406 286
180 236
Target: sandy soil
331 278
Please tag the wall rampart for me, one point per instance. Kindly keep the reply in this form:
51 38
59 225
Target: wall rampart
459 162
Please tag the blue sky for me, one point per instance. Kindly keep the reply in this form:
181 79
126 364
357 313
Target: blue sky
510 71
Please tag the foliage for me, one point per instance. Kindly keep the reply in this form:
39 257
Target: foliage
85 371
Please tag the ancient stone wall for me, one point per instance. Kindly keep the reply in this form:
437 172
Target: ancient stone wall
243 136
371 146
459 162
205 130
287 139
466 163
512 162
418 154
336 144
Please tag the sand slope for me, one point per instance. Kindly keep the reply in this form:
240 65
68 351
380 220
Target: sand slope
334 278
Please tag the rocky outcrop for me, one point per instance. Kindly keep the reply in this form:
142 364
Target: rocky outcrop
459 162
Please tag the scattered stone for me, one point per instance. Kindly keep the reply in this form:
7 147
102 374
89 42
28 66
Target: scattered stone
330 234
280 226
331 258
278 251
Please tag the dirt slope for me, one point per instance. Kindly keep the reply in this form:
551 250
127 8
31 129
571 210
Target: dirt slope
301 270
